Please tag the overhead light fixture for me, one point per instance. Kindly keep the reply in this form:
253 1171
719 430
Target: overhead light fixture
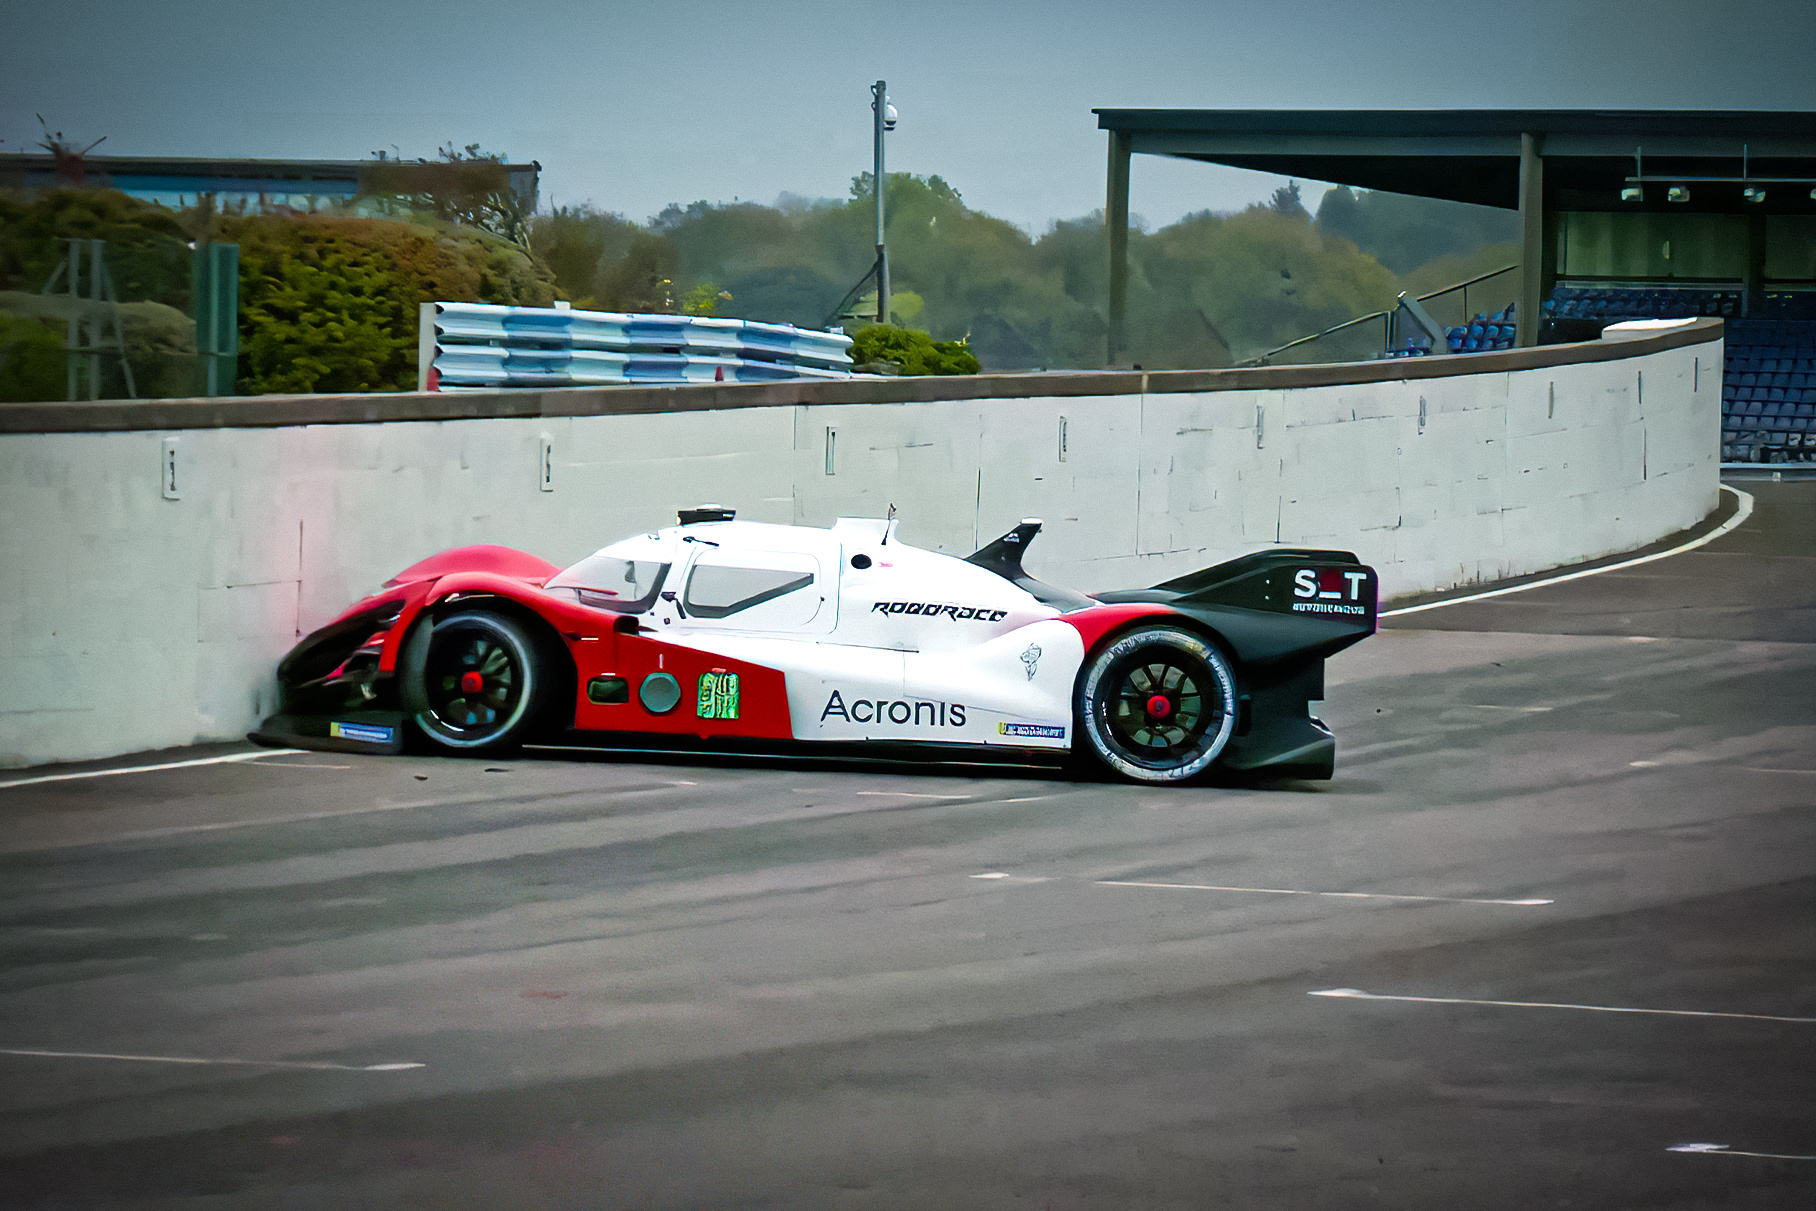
1677 193
1633 193
1753 193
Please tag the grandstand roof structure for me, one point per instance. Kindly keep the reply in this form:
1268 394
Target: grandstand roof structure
1542 162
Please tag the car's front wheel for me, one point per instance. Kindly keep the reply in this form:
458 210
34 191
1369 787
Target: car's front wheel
473 681
1158 704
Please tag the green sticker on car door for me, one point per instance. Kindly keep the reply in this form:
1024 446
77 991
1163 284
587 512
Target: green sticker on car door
718 695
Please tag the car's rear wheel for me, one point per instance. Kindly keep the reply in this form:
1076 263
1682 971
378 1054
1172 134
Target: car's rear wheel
1158 704
474 681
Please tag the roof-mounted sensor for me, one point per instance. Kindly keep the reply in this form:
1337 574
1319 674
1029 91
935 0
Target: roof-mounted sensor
700 513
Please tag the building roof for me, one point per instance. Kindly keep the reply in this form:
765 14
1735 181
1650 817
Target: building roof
1472 155
158 175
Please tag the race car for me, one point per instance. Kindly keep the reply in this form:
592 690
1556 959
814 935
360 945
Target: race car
725 634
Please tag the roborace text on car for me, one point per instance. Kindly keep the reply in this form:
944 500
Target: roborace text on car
735 633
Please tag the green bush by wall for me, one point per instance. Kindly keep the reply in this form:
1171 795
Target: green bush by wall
912 350
330 303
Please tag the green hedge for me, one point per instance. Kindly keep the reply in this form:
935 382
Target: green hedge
912 350
330 303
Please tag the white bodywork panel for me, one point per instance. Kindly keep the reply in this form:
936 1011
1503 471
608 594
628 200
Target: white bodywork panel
914 646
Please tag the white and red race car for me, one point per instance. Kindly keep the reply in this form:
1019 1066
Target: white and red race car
719 633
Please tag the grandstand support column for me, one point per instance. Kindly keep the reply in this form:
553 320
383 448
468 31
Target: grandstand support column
1116 221
1548 258
1754 300
1532 240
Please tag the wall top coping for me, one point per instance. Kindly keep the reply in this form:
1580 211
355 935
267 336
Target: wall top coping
275 411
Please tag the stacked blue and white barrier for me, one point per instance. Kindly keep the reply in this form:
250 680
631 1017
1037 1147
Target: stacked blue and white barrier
473 346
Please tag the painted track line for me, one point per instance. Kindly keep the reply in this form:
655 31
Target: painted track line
1337 895
312 1065
1724 1150
146 769
1744 511
1356 994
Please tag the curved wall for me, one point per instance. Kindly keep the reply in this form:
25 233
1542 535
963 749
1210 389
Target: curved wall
130 621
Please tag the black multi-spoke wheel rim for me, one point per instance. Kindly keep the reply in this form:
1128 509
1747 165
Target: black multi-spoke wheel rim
473 683
1161 707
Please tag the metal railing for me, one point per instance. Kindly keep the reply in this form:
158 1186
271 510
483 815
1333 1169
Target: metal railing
1386 316
466 346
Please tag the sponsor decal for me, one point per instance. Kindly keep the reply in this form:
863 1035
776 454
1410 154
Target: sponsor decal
1329 591
718 696
1329 584
903 713
958 613
1031 658
1327 607
1046 731
369 733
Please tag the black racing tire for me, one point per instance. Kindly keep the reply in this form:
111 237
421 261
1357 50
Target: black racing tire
1157 704
474 681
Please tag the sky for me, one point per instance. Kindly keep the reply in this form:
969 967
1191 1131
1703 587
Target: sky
630 106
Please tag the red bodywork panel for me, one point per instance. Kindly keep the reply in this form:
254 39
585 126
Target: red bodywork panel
1094 622
762 692
597 648
500 561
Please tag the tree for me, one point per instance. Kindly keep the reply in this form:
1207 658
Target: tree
580 244
1405 232
704 299
1208 290
644 280
1285 202
71 161
465 185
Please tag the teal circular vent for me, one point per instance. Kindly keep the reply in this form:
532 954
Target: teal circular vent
660 693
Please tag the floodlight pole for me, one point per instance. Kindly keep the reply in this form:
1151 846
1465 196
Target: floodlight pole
879 105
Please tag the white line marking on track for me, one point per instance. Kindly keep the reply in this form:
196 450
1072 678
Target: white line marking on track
1356 994
1724 1150
910 795
301 765
1026 799
1761 769
318 1065
1740 515
1524 709
1339 895
997 874
146 769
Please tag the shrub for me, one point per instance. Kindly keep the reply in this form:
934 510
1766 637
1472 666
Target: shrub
160 346
330 303
33 368
912 350
147 248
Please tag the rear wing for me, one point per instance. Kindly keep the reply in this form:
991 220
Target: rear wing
1307 583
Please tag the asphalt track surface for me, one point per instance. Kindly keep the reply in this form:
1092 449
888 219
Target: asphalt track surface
629 982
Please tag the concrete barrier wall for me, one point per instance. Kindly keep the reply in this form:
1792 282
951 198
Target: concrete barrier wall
130 621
